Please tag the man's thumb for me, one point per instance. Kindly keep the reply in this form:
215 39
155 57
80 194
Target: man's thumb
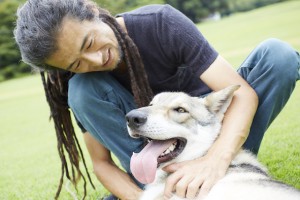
172 167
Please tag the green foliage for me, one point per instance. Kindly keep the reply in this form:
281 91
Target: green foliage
245 5
10 65
113 6
119 6
199 9
196 10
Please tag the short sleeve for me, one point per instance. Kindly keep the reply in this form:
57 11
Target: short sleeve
181 39
83 130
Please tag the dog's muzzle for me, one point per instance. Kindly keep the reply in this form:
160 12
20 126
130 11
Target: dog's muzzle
136 118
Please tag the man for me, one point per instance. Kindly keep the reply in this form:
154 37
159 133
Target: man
117 63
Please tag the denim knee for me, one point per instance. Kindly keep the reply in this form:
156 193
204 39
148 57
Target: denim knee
272 70
282 60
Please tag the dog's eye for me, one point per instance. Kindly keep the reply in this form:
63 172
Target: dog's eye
180 110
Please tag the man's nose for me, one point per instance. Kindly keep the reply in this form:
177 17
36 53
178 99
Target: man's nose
94 58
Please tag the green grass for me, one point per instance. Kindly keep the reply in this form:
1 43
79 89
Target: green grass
234 37
30 165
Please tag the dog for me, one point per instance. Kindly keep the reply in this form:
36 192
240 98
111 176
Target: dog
179 128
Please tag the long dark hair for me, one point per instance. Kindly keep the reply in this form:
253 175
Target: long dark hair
38 24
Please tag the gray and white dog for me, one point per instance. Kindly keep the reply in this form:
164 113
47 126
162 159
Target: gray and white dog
180 128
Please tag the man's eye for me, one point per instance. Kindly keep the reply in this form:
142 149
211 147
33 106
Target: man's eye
90 44
78 65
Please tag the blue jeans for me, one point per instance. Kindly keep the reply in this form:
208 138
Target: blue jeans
272 70
110 197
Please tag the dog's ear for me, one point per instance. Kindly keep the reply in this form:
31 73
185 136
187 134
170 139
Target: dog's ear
218 102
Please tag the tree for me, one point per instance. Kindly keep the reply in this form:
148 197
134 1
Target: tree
119 6
245 5
199 9
10 65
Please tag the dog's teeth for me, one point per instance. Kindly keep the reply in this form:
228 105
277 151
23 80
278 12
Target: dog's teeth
172 147
163 154
169 150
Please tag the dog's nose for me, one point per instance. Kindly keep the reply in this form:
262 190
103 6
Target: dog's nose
136 118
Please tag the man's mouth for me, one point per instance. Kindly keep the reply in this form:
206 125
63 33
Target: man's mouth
108 58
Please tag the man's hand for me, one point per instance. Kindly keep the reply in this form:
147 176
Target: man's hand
195 178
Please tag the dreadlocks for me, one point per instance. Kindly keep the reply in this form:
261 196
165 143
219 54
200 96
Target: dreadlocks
37 43
55 86
138 77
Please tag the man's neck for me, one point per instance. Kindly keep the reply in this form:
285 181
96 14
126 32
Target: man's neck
121 68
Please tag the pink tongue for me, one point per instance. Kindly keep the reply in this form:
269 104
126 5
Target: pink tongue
143 165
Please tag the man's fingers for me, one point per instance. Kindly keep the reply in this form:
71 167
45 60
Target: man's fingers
168 196
172 167
182 186
170 184
193 188
204 190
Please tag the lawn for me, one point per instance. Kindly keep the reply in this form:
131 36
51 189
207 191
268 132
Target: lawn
30 165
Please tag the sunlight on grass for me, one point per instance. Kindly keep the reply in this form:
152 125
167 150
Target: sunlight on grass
235 36
29 158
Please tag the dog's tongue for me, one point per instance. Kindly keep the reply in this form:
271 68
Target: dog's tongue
143 165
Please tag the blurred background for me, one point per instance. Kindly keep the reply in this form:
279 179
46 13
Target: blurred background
196 10
30 167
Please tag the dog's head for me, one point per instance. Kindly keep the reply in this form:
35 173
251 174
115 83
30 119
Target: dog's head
178 126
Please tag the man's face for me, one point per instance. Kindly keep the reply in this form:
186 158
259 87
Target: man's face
85 47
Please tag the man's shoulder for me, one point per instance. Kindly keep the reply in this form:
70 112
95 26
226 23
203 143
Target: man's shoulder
148 9
154 23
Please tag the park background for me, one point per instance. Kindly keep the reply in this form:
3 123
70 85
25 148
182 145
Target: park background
29 162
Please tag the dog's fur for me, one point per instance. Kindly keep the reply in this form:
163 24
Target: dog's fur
198 120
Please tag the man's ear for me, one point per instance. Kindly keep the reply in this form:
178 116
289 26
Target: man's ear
218 102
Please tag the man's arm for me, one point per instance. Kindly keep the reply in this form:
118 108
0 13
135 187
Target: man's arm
112 177
204 172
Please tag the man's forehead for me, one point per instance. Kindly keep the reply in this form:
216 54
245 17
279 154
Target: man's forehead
68 38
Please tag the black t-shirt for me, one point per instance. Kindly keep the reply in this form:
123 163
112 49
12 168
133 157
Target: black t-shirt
172 48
